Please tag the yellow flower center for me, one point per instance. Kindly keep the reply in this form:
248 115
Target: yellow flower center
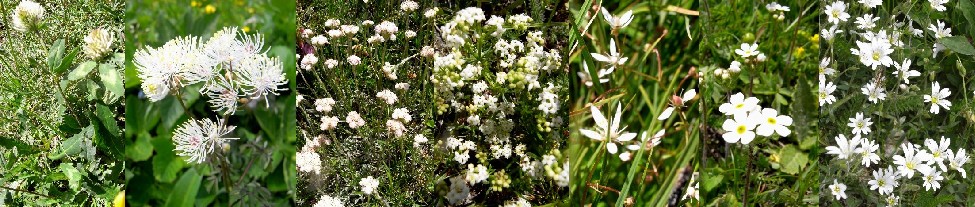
876 56
741 129
771 120
739 106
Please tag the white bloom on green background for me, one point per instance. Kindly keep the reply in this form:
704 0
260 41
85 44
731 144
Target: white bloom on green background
938 5
826 93
913 160
98 43
828 34
873 54
860 124
459 191
938 151
408 6
738 104
395 128
940 31
875 93
740 129
476 174
260 76
844 148
608 130
27 16
931 176
402 114
369 185
892 200
196 139
329 201
613 58
308 161
836 12
324 104
871 3
868 152
747 50
329 123
937 98
688 95
867 21
838 190
617 22
884 180
956 160
770 121
904 71
387 96
354 120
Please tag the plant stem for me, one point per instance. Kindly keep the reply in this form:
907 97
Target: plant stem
748 175
24 191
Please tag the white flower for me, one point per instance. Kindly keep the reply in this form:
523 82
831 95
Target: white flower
369 185
319 40
329 122
747 50
408 6
693 187
402 114
828 34
476 174
860 124
871 3
868 153
911 161
309 61
937 98
419 139
613 58
836 12
223 96
904 71
390 71
331 63
98 42
328 201
939 151
459 191
259 76
824 68
324 104
395 128
775 6
388 96
159 67
735 67
938 5
353 60
309 161
931 176
892 200
409 34
873 54
884 181
587 79
619 21
955 161
354 120
838 190
739 104
770 121
844 148
940 31
826 93
430 13
27 16
688 95
608 130
332 23
874 92
738 129
867 21
196 139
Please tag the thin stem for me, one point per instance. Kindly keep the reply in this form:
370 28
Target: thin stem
24 191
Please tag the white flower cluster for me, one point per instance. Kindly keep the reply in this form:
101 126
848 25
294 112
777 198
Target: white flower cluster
748 116
749 53
329 201
930 163
27 16
98 43
197 139
231 66
777 10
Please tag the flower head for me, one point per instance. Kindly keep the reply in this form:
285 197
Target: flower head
937 98
770 121
369 185
836 12
98 42
739 104
196 139
618 21
838 190
739 129
27 16
608 130
747 50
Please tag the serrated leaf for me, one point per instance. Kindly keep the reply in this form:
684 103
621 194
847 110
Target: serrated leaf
958 44
74 176
81 71
185 190
792 160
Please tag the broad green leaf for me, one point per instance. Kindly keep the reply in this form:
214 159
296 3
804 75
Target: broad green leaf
107 117
165 164
73 146
185 190
792 160
958 44
968 9
141 149
66 61
111 79
81 71
74 176
55 54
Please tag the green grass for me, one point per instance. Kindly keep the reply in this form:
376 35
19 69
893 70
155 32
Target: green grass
662 49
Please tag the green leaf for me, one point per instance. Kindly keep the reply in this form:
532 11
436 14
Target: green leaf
165 165
73 146
111 79
74 176
66 61
81 71
55 54
185 190
141 149
792 160
968 9
958 44
107 117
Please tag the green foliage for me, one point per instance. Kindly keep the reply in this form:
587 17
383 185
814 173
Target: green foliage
774 170
60 136
256 169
